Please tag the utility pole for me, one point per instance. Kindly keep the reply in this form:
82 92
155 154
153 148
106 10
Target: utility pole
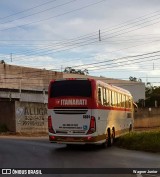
11 57
99 35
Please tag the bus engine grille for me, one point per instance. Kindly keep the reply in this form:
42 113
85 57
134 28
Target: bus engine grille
70 111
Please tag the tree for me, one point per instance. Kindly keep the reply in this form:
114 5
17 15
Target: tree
74 71
152 95
67 69
135 79
85 71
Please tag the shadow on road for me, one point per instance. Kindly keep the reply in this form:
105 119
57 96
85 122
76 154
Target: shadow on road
71 147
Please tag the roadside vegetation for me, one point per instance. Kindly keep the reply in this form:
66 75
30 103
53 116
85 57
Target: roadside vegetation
145 141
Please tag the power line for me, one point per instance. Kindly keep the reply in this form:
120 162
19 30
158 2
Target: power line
47 52
90 57
111 52
85 44
51 8
123 64
38 21
62 50
48 2
126 57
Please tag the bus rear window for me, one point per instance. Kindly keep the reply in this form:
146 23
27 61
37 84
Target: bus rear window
71 88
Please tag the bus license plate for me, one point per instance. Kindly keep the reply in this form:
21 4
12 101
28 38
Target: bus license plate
70 139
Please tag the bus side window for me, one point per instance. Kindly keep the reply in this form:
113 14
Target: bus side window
123 101
116 99
113 98
120 100
110 97
100 96
127 102
130 102
105 99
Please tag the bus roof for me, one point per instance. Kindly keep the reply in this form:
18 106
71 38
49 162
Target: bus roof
113 87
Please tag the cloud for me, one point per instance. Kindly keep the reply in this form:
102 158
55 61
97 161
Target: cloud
73 39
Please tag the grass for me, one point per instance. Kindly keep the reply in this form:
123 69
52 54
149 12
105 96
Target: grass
3 128
145 141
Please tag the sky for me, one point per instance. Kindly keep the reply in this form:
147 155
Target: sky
110 38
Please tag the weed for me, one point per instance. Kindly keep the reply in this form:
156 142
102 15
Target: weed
147 141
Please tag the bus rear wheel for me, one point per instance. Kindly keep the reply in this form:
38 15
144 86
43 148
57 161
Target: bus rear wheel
111 137
130 128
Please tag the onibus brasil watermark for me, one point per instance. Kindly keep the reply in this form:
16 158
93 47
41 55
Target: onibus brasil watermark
21 172
146 171
38 171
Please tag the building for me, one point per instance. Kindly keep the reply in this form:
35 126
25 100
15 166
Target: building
24 92
137 89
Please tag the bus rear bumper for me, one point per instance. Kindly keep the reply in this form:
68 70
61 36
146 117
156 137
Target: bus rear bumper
77 140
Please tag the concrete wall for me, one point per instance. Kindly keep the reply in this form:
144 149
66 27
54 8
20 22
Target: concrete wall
25 78
25 117
147 122
31 117
147 118
147 113
25 97
7 114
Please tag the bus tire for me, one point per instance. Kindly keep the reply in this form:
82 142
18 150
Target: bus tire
105 144
130 128
113 135
109 140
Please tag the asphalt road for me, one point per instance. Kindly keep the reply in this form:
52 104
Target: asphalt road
37 152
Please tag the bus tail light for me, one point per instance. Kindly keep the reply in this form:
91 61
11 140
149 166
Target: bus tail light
50 128
51 138
92 127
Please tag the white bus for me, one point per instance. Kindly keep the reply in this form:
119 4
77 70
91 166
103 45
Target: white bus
88 111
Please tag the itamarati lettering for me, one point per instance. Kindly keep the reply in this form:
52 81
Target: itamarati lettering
73 102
